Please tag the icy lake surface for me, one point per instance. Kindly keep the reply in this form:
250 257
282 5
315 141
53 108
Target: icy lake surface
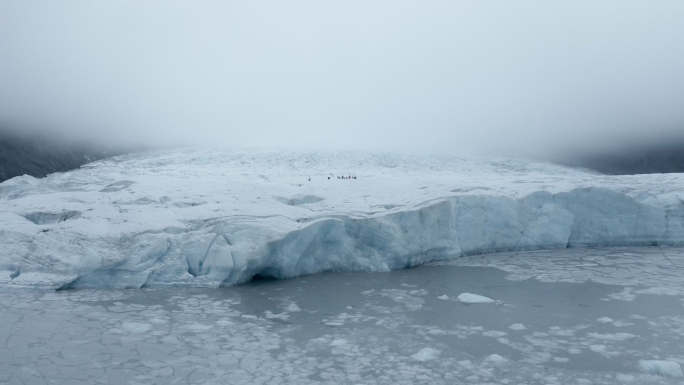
571 316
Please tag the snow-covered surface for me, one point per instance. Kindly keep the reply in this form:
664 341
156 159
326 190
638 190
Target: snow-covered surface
212 218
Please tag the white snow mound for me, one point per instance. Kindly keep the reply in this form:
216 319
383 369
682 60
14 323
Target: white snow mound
219 217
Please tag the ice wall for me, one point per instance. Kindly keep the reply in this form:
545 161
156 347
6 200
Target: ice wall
223 252
212 218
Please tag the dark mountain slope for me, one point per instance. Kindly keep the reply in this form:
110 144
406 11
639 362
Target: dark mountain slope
40 155
644 159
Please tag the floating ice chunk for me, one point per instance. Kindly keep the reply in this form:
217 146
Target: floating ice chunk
164 372
493 333
663 368
624 295
281 316
198 328
466 364
469 298
426 354
537 358
224 322
555 330
495 358
625 377
443 297
517 327
339 342
605 320
136 328
613 337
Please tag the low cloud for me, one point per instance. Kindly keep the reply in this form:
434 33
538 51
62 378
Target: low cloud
533 78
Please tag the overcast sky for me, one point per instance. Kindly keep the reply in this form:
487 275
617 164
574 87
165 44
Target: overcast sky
450 76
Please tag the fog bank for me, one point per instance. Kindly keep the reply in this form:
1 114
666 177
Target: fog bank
534 79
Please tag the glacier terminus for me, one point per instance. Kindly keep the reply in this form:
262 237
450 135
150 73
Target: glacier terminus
211 218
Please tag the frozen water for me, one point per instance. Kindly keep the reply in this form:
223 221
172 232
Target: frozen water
211 218
613 336
665 368
473 298
496 358
425 354
249 334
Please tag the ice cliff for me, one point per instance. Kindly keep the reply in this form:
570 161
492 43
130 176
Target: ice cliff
212 218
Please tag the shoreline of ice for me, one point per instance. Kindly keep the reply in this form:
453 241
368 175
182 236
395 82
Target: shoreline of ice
213 218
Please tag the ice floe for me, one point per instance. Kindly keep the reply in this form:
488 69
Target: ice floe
661 367
613 336
469 298
425 354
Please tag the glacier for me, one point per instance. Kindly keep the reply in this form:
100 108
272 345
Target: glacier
210 218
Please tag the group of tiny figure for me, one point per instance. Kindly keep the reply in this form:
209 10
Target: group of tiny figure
339 177
344 177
